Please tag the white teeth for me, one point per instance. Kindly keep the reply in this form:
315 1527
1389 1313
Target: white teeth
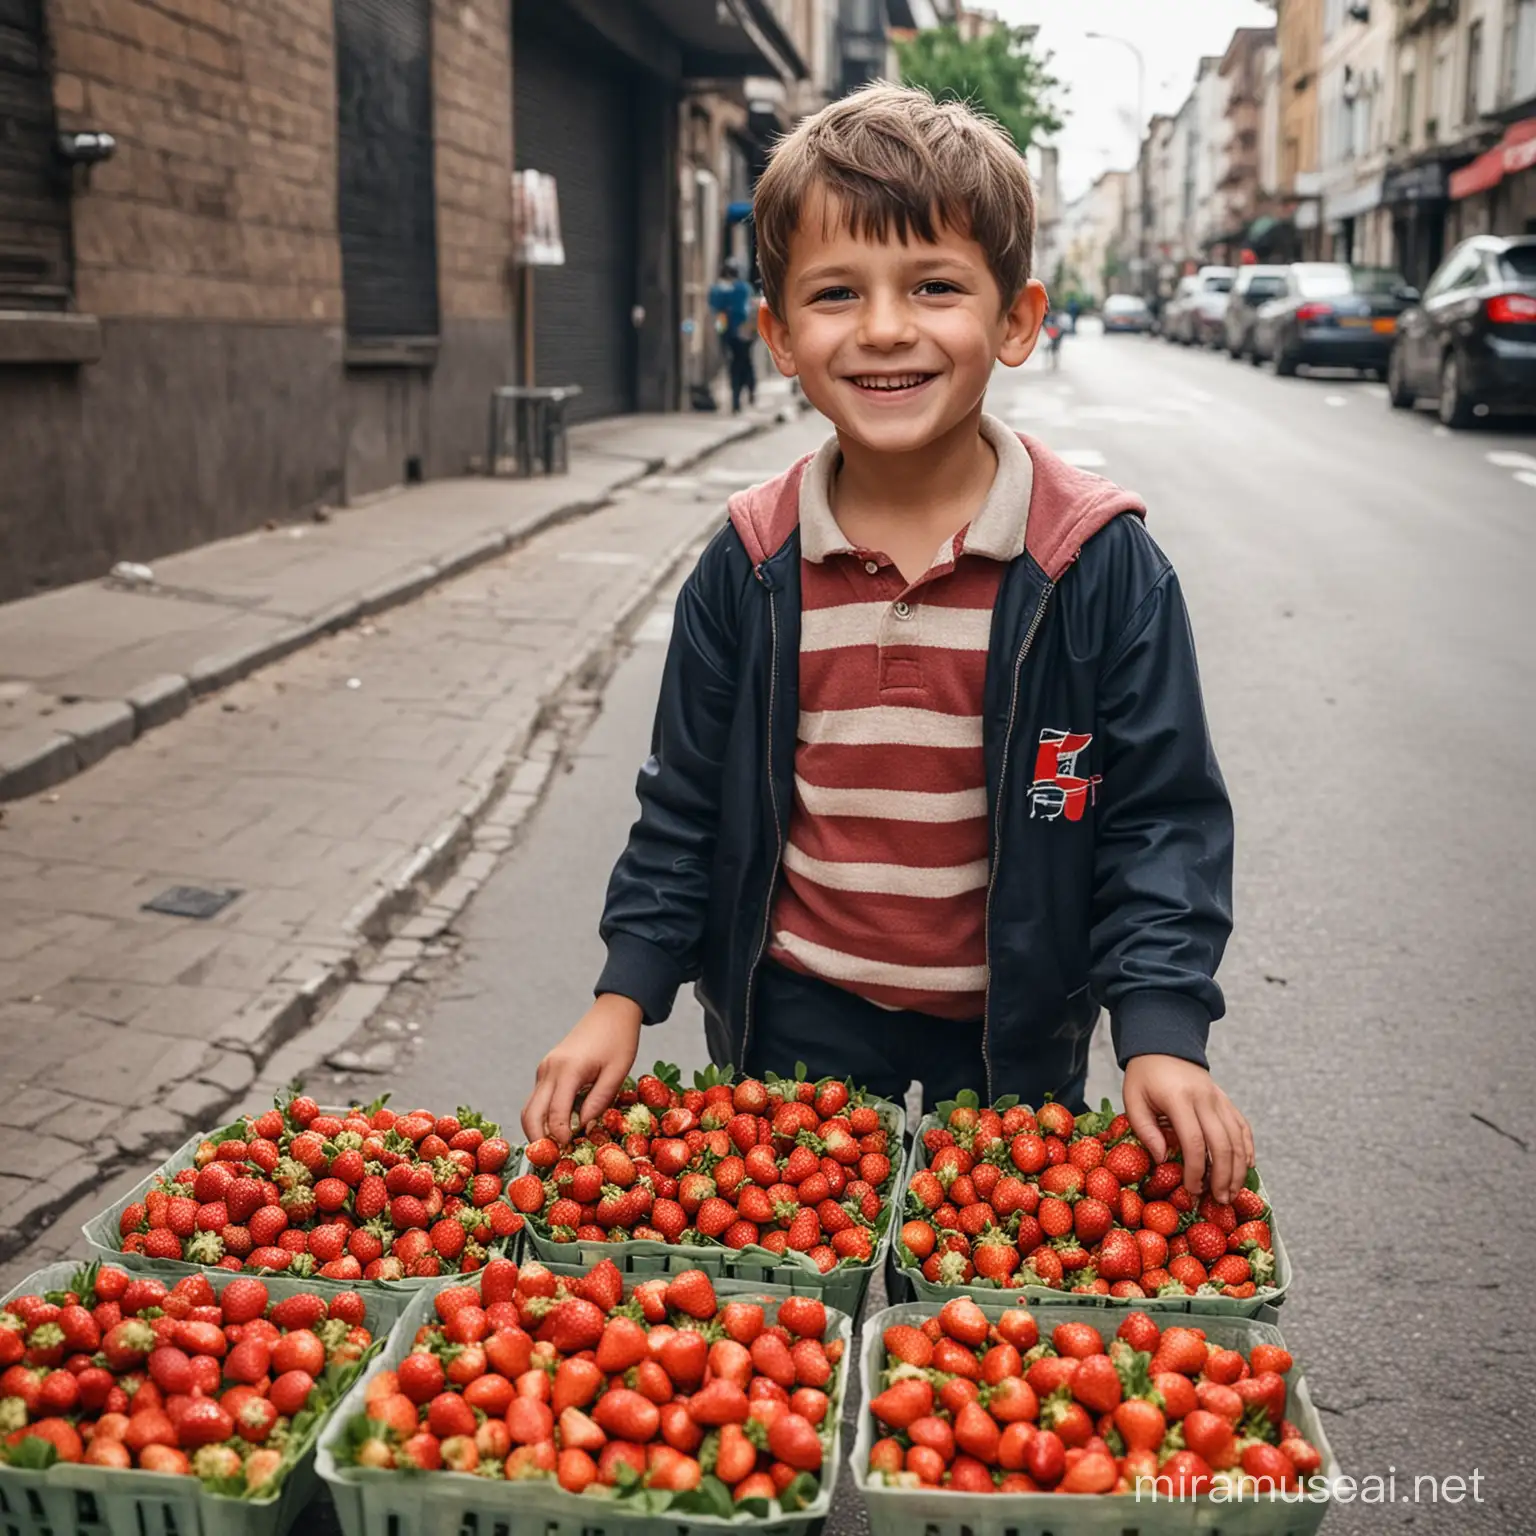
890 381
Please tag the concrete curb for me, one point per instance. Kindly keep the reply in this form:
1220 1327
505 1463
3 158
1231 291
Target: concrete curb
82 734
323 998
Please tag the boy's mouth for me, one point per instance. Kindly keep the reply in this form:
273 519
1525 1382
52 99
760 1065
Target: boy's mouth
890 383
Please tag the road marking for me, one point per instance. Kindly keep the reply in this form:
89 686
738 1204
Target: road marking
1441 431
657 628
1334 400
1376 391
1511 460
1082 458
1527 477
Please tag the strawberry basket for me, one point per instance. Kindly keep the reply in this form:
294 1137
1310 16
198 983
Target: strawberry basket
914 1270
842 1286
74 1499
941 1511
377 1502
103 1233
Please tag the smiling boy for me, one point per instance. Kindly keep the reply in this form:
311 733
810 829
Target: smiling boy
930 781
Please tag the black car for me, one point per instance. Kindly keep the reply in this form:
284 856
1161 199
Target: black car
1331 316
1255 287
1471 340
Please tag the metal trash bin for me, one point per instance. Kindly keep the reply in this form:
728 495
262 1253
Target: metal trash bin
537 418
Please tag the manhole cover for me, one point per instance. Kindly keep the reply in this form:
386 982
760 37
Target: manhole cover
190 901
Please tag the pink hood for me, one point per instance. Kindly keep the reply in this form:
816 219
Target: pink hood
1067 506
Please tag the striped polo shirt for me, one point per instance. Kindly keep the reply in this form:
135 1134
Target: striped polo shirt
885 871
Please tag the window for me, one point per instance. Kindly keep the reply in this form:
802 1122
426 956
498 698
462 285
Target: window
1461 269
387 201
35 268
1518 264
1470 105
1517 70
1406 112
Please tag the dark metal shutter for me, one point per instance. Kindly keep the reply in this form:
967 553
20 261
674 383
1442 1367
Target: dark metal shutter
574 118
34 195
387 201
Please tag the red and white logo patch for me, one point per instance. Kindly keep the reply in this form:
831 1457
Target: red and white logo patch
1058 789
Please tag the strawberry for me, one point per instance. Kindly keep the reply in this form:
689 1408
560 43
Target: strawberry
792 1439
903 1403
692 1293
1207 1242
1249 1205
804 1231
1128 1161
1250 1235
1091 1219
1119 1257
831 1099
669 1218
995 1255
526 1193
907 1345
405 1212
1162 1181
854 1243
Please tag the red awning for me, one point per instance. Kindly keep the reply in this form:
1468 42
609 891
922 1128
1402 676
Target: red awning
1516 151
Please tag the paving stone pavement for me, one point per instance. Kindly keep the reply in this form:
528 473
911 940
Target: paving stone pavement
335 790
88 669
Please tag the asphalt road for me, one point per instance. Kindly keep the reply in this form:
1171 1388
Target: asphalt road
1357 579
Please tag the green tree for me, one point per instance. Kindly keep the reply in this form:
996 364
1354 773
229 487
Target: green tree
998 72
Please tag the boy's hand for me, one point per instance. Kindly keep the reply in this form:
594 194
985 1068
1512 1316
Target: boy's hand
1169 1090
593 1060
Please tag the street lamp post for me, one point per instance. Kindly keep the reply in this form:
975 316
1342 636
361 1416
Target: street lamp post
1141 128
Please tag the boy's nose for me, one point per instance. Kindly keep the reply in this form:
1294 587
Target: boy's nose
886 321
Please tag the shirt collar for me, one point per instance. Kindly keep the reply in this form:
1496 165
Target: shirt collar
996 531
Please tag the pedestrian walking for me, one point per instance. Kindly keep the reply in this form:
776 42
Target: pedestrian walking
1074 309
731 301
930 780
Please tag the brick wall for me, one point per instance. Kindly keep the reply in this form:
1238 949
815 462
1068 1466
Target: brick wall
220 203
472 81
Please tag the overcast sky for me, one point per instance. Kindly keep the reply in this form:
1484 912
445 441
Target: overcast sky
1101 130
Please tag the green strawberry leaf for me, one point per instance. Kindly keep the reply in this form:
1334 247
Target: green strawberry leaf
800 1071
32 1454
1004 1104
1252 1181
968 1099
801 1493
711 1497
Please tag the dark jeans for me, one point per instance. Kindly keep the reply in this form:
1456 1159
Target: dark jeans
738 351
835 1033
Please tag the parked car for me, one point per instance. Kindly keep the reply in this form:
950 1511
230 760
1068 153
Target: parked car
1194 313
1124 313
1471 341
1332 316
1255 286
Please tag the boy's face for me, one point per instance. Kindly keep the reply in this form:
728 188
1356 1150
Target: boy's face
894 343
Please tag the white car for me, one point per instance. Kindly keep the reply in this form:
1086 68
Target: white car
1195 314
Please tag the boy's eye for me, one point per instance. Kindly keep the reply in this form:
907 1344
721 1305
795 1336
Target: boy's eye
936 286
833 295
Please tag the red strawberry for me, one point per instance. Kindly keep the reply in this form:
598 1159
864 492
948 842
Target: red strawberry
1119 1257
1206 1241
995 1255
1162 1181
448 1237
406 1212
693 1293
1249 1205
804 1231
1128 1161
1091 1219
902 1404
576 1324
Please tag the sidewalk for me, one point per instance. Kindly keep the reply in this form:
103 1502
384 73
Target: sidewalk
336 790
87 669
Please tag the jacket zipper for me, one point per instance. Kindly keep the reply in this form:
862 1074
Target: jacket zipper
997 824
778 827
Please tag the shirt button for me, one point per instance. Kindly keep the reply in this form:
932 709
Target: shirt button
872 566
902 610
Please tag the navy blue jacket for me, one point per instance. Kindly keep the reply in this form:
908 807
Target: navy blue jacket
1111 845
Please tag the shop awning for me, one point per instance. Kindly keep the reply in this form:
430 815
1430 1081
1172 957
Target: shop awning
1515 152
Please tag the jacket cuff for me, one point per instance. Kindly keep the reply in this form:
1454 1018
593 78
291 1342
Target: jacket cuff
1154 1022
643 972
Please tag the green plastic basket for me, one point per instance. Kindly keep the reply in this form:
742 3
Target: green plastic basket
377 1503
843 1288
937 1512
76 1500
102 1237
1043 1295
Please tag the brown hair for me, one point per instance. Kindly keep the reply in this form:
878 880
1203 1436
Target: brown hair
893 158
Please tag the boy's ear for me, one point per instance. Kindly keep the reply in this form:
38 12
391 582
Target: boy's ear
1022 324
775 336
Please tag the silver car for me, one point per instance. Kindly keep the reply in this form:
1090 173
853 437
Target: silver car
1194 314
1254 286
